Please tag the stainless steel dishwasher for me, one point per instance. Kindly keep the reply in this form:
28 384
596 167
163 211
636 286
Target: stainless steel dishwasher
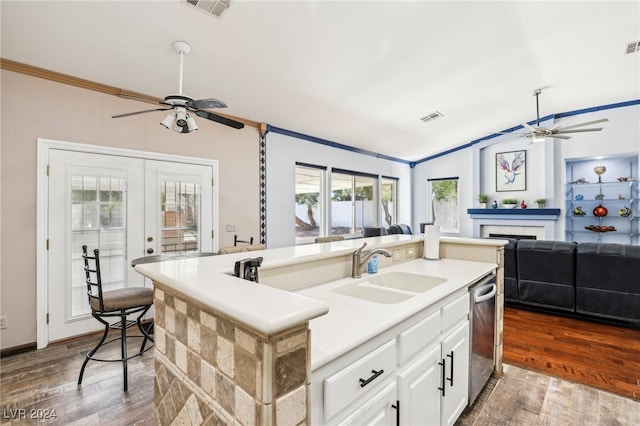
482 315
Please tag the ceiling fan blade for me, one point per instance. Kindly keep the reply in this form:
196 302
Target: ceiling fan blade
562 131
139 112
556 136
220 119
528 127
588 123
206 103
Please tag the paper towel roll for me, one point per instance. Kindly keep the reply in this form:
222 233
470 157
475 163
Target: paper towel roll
432 242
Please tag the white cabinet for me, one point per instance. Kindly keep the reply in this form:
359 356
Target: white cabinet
418 390
415 374
455 355
434 389
381 409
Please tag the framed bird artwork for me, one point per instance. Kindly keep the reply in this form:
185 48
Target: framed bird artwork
511 171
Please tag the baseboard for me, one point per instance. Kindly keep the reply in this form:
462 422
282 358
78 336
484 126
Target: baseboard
15 350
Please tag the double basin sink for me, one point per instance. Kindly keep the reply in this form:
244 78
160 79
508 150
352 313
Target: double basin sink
389 287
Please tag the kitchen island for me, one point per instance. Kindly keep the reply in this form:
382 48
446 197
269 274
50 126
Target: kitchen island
233 351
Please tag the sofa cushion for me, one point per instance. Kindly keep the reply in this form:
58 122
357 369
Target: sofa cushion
510 270
546 273
608 280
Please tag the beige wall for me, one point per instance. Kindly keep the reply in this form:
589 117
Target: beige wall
34 108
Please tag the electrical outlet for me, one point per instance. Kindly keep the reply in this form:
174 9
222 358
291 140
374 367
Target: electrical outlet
396 255
3 322
231 228
410 253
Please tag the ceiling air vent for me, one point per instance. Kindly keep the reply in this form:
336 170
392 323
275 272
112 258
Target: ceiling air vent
633 47
433 116
211 7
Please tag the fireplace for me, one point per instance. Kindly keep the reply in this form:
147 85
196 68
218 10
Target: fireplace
536 224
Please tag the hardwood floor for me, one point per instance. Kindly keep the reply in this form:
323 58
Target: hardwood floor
604 356
44 381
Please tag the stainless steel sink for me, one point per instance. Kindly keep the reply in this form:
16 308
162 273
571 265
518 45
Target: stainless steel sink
389 287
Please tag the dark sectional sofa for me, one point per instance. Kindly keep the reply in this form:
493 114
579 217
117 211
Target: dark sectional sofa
588 280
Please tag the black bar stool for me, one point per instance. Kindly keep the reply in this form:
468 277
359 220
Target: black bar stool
115 304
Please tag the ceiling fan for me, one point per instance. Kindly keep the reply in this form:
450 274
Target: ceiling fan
558 130
179 106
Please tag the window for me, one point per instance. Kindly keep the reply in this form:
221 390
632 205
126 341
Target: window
353 201
443 194
308 202
388 204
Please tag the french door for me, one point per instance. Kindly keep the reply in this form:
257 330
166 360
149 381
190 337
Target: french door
126 207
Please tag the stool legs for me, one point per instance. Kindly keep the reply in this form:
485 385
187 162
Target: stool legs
94 350
124 357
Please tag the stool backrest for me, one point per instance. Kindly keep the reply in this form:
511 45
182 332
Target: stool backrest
93 276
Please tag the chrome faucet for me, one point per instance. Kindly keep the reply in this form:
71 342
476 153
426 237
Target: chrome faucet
359 258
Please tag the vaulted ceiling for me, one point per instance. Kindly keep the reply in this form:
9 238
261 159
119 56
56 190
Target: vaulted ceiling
358 73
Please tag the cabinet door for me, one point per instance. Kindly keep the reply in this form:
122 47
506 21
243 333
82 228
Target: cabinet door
379 410
455 352
418 391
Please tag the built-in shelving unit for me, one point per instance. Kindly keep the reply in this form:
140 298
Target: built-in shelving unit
616 190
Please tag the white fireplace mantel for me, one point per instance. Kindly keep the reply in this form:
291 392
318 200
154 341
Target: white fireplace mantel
537 222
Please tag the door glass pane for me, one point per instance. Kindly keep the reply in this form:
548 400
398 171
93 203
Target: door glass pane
341 204
97 221
308 203
180 217
388 202
365 213
352 203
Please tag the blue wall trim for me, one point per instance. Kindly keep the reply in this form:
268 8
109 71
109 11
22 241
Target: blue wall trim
333 144
412 164
532 122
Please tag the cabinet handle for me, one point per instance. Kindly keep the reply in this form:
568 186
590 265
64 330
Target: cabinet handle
397 407
451 378
375 373
443 375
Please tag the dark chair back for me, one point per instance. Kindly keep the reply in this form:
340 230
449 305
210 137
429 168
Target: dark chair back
93 277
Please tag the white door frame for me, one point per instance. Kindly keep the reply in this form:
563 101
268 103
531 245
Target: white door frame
42 220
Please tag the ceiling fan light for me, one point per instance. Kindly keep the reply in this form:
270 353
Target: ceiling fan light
167 122
181 119
191 124
537 138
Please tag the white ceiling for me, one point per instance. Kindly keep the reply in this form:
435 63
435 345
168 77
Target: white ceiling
354 72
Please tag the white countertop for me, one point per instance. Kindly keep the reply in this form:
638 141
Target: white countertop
270 310
266 309
352 321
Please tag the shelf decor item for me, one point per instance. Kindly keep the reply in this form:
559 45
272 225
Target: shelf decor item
483 199
599 170
625 211
600 228
600 211
509 203
511 173
541 202
579 212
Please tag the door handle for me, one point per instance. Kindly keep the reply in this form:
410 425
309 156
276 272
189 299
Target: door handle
451 378
443 376
365 382
149 250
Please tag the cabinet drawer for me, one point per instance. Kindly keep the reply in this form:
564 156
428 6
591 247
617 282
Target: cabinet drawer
421 334
455 311
347 385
